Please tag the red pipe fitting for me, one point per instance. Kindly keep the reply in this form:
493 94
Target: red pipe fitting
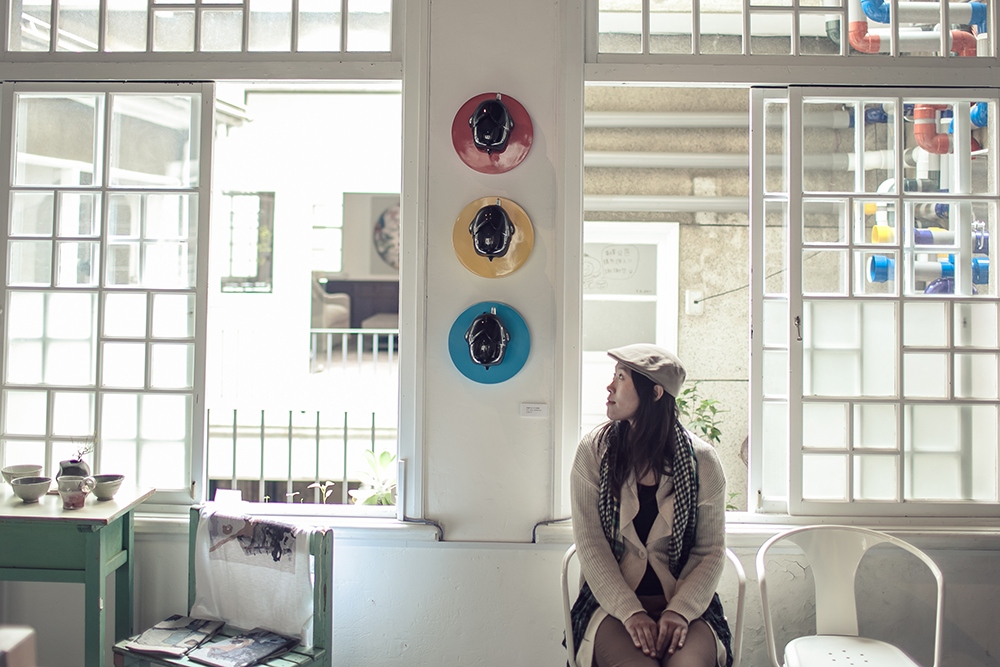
925 129
860 39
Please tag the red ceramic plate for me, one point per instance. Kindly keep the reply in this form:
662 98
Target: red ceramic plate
496 163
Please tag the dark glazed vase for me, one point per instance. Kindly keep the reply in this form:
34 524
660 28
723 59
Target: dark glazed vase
74 467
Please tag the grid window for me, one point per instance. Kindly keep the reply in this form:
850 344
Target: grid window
891 314
102 243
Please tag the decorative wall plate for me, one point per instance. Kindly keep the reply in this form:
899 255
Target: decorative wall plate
516 354
521 241
518 144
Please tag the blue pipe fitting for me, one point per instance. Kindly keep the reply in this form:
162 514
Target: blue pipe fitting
941 211
880 268
876 115
980 112
876 10
979 17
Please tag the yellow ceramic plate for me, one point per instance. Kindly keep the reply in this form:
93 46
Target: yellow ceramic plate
520 244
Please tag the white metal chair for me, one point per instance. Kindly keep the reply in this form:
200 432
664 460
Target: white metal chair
833 553
568 601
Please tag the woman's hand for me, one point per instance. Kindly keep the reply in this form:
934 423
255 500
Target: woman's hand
643 631
673 629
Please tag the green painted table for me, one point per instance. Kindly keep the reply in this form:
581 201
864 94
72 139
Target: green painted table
43 542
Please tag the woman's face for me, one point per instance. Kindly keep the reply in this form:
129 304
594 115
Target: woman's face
623 400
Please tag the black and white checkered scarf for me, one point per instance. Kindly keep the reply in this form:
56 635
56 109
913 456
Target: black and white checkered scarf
685 527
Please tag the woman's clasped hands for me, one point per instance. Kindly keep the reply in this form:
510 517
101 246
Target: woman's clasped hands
657 638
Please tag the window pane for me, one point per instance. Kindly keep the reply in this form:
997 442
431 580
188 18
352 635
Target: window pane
123 264
173 31
319 25
57 139
875 426
172 366
270 25
30 263
925 375
79 213
173 315
824 272
770 33
31 213
369 25
168 265
875 222
77 263
775 131
70 330
775 322
875 273
721 27
73 413
824 425
25 412
619 26
125 315
975 325
976 376
925 324
828 141
813 31
774 432
775 373
124 365
824 477
878 161
775 247
670 26
824 221
875 477
78 25
951 452
30 30
154 140
126 26
20 452
222 30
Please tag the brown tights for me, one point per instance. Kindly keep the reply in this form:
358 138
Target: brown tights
613 646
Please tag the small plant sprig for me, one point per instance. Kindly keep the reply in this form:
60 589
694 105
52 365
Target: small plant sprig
326 489
378 481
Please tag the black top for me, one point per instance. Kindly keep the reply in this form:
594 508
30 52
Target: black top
643 522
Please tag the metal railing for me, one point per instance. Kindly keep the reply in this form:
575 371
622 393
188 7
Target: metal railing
289 454
323 341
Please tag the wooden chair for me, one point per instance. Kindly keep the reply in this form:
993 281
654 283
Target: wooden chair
320 654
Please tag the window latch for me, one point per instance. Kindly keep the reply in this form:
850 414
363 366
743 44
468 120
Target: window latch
798 328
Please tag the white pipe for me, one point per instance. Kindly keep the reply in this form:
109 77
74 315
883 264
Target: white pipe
641 160
665 204
718 119
930 12
638 160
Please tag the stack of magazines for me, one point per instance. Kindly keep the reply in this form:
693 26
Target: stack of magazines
244 649
174 636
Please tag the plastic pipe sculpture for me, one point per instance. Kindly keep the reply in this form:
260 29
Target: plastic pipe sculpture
925 129
963 43
882 269
966 13
933 236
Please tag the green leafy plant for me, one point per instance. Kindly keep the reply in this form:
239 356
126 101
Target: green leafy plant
701 414
378 480
702 417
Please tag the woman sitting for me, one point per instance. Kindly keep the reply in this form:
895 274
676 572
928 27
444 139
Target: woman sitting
648 519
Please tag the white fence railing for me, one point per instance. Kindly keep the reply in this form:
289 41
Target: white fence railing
274 455
379 343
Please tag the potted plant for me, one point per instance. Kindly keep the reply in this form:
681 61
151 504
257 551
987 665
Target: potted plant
378 480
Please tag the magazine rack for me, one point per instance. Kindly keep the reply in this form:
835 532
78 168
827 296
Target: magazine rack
320 654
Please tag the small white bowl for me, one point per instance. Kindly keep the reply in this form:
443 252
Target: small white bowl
10 473
30 489
107 486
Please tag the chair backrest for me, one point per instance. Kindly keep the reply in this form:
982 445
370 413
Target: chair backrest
833 553
569 598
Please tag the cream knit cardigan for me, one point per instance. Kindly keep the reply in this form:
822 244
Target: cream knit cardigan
614 583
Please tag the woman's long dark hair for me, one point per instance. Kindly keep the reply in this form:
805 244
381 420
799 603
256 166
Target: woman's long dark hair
649 444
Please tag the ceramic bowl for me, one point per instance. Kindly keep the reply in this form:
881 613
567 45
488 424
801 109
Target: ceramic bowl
10 473
107 486
30 489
